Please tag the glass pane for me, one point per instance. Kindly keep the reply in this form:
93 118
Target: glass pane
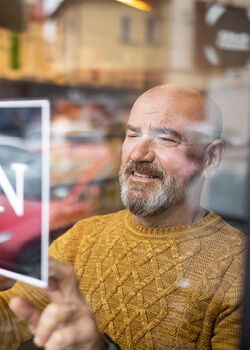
92 59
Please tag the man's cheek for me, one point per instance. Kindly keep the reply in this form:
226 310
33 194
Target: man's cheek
183 166
192 160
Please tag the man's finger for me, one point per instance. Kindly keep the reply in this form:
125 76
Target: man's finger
80 335
25 311
63 284
53 315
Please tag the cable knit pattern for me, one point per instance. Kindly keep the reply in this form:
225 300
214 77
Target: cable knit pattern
160 288
156 288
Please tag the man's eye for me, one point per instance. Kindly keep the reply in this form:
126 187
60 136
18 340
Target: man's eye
131 135
167 139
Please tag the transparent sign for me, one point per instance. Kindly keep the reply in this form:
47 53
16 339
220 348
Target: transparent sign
24 191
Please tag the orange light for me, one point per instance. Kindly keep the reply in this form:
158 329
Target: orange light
138 4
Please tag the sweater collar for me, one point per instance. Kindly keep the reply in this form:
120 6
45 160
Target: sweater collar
207 225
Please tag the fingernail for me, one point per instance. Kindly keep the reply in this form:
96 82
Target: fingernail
37 341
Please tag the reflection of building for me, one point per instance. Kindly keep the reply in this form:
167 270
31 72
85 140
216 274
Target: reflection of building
108 43
100 43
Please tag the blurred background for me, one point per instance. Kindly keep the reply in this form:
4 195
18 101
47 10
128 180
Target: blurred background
91 59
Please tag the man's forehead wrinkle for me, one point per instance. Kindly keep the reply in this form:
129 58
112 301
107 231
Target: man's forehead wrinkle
185 111
133 127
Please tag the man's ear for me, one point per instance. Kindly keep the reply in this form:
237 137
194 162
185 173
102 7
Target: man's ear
213 154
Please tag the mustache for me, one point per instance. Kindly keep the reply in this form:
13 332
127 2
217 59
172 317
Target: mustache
145 168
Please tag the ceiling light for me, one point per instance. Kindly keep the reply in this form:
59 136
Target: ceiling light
140 5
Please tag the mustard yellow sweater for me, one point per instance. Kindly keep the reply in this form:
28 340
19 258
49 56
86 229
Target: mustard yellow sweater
151 288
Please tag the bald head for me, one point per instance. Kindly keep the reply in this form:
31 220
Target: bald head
201 114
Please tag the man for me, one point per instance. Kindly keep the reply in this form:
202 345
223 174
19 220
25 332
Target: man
164 274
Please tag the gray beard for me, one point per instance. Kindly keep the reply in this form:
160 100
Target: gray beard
145 201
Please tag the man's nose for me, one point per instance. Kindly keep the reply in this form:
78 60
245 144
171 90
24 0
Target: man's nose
143 151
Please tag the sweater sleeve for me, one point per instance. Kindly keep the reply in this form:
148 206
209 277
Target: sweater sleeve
227 330
12 331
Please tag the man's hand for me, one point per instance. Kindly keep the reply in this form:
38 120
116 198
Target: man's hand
67 322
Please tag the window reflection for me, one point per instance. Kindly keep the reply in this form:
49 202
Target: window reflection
92 59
